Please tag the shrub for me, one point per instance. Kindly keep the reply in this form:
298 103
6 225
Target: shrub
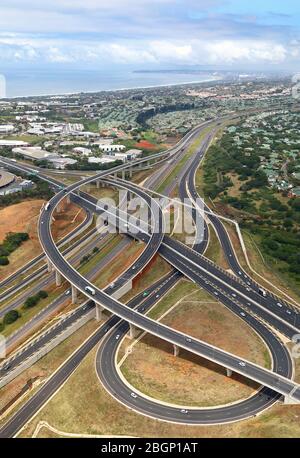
10 317
43 294
4 261
31 302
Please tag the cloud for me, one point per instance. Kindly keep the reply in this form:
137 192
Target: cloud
138 32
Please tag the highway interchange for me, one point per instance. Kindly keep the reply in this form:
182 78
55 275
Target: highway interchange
245 301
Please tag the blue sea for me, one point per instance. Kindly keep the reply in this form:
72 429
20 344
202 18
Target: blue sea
22 83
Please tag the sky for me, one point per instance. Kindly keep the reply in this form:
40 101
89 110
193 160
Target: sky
153 34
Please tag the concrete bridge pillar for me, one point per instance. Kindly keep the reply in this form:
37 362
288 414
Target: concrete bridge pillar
74 294
98 184
176 350
68 199
58 207
133 331
49 265
99 312
130 172
123 175
228 372
289 400
58 278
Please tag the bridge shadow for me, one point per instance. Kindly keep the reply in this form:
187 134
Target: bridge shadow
162 345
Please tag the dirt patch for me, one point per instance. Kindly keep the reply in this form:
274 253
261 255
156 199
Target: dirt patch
96 412
23 217
153 369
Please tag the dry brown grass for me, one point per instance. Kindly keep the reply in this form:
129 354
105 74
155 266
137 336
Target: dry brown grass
152 368
23 217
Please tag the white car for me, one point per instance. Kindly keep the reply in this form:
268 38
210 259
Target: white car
288 312
118 337
67 292
241 363
215 292
188 340
233 294
243 314
279 305
133 395
157 295
184 411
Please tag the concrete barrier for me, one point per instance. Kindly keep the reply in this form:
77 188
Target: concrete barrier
47 348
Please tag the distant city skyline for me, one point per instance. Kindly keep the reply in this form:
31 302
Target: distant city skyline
149 34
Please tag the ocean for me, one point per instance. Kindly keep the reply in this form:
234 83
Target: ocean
22 83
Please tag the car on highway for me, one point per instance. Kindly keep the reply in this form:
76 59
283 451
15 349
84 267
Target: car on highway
157 296
241 363
188 340
288 312
243 314
117 336
262 292
279 305
68 292
133 395
215 292
90 290
184 411
145 293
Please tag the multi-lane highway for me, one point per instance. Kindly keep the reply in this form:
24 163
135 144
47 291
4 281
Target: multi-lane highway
177 256
274 381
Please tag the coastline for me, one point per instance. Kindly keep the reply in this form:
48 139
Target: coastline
162 85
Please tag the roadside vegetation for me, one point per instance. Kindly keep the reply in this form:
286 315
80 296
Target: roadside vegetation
11 242
239 189
13 315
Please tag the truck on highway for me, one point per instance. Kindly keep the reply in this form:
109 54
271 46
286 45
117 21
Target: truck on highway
90 290
47 206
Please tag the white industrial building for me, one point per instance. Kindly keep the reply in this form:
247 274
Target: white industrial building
13 143
34 153
111 148
82 151
133 153
61 162
101 160
6 129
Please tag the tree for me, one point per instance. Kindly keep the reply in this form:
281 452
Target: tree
31 302
11 316
4 261
43 294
